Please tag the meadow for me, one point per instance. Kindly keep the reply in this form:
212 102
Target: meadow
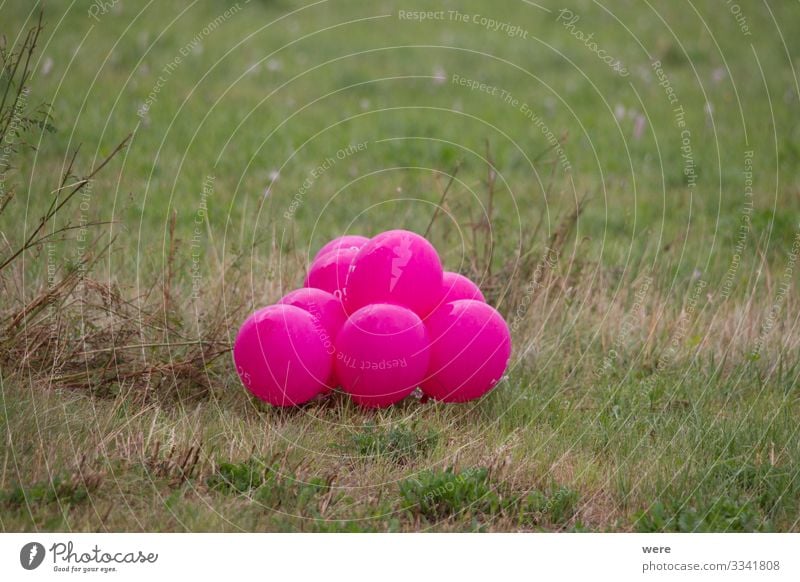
621 178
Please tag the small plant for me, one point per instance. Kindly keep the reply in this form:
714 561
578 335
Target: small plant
270 486
70 490
723 514
45 492
441 494
289 493
234 478
758 494
770 486
399 443
558 506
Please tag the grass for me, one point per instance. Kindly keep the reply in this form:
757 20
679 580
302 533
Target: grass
654 380
399 443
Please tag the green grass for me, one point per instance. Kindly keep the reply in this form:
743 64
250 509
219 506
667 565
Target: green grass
654 380
399 443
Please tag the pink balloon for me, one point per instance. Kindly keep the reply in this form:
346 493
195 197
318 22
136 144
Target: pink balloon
324 306
397 267
470 350
342 242
280 356
382 354
329 272
329 316
456 286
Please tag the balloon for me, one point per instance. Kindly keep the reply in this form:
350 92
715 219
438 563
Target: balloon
329 272
280 356
456 286
328 313
382 354
470 349
346 241
324 306
397 267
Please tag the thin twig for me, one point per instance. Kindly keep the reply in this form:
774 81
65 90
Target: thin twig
442 199
53 210
198 342
491 177
170 260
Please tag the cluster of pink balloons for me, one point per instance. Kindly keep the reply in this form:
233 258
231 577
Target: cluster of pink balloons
377 317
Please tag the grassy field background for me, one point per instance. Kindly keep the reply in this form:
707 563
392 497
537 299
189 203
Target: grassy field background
640 232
